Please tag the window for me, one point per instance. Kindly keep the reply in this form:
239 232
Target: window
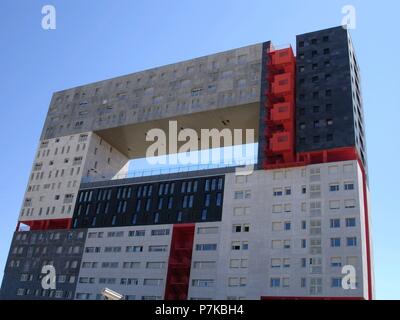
335 223
350 203
206 247
334 204
277 192
134 249
202 282
336 282
349 186
276 226
275 282
275 263
334 187
336 262
350 222
335 242
207 230
160 232
351 241
160 248
287 226
204 264
235 245
152 282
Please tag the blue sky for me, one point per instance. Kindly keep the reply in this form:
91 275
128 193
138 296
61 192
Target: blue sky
95 40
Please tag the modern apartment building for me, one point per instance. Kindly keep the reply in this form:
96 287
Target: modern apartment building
288 230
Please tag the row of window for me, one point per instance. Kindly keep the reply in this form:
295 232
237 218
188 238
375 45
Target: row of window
314 283
314 243
211 184
334 262
59 294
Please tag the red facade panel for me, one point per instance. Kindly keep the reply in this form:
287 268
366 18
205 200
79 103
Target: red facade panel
180 260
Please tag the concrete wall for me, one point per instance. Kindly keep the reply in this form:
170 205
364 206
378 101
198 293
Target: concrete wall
57 171
216 81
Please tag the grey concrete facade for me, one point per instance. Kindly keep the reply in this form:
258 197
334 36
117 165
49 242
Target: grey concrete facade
30 251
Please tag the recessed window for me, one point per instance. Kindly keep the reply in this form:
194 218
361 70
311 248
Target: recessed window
351 241
329 137
327 51
315 109
335 242
335 223
350 222
316 139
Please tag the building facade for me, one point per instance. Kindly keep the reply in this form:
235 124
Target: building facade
297 227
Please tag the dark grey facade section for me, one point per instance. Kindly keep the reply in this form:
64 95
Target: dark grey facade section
329 110
32 250
263 97
185 200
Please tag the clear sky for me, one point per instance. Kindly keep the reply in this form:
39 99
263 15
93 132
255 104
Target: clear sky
100 39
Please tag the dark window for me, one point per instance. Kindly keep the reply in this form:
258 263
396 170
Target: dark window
301 44
316 109
325 39
328 93
315 95
314 53
302 126
315 66
302 111
315 79
316 124
327 63
302 140
316 139
328 107
326 51
314 41
329 137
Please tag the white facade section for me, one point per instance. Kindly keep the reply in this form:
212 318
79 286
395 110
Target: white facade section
289 233
58 168
132 261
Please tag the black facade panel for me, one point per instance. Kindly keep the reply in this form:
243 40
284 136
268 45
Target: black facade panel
264 87
196 199
324 101
30 251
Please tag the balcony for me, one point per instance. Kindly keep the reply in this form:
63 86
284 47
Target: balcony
283 56
280 141
281 111
282 84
